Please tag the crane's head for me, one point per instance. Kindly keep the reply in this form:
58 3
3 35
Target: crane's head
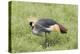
32 20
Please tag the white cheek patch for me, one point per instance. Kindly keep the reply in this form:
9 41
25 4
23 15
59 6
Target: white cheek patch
33 24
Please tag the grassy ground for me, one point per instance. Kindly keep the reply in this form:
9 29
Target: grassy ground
23 40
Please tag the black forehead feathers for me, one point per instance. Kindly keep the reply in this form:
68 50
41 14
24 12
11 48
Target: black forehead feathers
30 23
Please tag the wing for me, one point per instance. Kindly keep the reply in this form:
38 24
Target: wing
46 22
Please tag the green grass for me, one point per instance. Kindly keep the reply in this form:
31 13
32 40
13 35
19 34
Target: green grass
23 40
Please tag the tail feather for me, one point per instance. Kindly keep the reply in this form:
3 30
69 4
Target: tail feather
62 28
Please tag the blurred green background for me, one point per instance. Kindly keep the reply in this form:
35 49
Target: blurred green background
22 39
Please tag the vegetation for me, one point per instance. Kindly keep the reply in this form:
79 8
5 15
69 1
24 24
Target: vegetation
23 40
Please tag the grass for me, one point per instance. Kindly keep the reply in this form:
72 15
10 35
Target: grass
23 40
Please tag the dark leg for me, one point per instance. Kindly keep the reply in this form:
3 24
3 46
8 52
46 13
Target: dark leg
45 42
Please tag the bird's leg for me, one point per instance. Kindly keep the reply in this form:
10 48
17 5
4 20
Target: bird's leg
46 41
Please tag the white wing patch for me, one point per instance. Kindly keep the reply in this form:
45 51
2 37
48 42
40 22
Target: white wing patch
54 28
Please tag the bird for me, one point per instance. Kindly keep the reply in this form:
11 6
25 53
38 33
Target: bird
46 25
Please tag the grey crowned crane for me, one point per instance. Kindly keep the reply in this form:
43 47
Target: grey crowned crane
46 25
